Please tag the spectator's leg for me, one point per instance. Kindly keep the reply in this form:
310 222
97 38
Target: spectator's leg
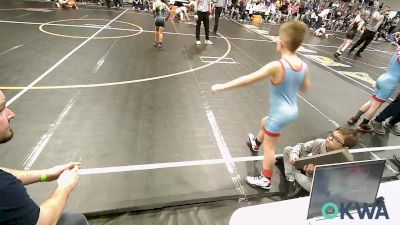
218 11
396 118
369 37
361 40
389 111
206 22
198 25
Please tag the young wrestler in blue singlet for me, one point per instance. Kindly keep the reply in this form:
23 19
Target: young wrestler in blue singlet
288 76
384 88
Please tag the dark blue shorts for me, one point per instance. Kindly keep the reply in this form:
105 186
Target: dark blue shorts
159 22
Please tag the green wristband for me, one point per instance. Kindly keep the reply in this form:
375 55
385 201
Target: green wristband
43 178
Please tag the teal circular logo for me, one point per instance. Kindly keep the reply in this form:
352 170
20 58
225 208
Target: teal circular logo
329 210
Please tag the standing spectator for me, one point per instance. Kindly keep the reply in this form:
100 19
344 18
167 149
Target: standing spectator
321 17
217 9
393 111
203 10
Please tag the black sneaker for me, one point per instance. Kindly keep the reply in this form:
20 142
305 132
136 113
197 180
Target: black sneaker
253 144
350 51
366 128
393 128
293 189
352 121
357 54
336 55
155 45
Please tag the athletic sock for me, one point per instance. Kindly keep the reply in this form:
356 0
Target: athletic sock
364 122
267 173
257 142
359 114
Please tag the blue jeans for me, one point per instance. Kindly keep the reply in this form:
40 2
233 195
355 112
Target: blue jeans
392 110
72 219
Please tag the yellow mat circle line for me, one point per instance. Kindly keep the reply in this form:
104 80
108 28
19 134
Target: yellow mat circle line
83 37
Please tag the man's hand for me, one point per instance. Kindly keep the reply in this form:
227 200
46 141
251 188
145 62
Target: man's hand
54 172
292 159
309 168
216 87
68 179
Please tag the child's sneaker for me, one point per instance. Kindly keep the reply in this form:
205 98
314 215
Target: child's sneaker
259 181
364 128
352 121
252 140
336 55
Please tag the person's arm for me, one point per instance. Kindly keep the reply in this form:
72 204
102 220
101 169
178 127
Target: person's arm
33 176
169 12
360 26
196 3
265 71
306 82
25 176
52 209
301 149
298 150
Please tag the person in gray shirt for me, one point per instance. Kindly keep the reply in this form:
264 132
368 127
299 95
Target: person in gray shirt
338 139
370 30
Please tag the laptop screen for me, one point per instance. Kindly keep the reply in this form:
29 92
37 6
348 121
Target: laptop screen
345 183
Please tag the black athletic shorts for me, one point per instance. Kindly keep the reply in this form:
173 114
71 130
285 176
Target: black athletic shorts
350 34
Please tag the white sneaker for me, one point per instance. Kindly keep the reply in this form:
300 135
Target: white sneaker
258 181
208 42
198 42
252 140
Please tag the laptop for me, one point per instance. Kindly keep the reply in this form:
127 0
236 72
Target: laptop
347 182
